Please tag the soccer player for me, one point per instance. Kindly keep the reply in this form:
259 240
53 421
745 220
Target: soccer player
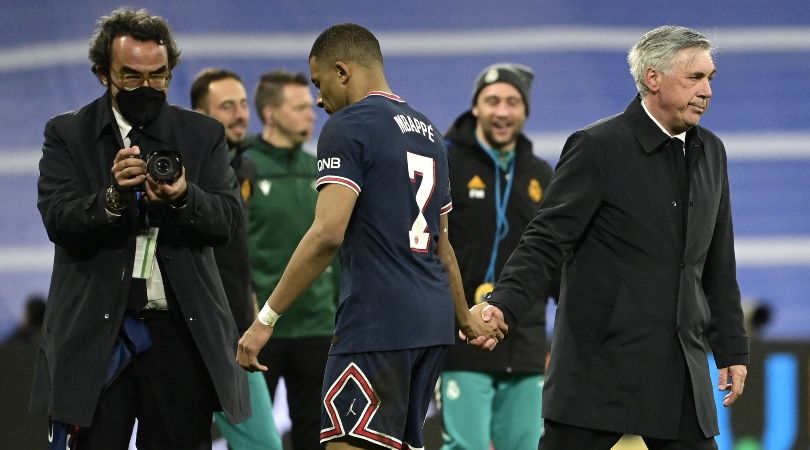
383 199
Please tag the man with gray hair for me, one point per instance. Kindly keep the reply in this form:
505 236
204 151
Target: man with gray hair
639 211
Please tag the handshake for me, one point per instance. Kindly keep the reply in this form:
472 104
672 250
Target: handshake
484 327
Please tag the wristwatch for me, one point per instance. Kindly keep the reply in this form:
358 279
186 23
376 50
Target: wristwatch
114 201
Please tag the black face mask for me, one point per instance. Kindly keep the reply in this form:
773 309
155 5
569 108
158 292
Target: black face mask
140 106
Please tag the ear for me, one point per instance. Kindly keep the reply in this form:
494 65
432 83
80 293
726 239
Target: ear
100 75
475 111
267 114
652 78
344 71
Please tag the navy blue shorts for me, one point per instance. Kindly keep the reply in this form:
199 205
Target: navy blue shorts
381 397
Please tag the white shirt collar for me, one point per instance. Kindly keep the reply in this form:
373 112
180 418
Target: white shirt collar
123 126
681 136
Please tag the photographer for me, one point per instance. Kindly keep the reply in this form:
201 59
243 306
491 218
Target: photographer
137 325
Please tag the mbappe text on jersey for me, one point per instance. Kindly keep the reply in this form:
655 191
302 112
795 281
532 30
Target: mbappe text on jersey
408 124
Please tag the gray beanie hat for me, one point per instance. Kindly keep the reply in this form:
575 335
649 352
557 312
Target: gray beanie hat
517 75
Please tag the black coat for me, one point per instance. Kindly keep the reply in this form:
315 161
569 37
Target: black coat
640 297
94 257
233 259
472 231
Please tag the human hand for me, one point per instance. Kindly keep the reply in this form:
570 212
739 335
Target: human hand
738 373
486 326
128 169
247 350
162 192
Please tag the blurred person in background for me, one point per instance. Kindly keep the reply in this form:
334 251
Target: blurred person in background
497 185
221 94
31 325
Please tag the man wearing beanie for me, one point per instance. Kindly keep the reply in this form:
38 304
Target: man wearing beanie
497 184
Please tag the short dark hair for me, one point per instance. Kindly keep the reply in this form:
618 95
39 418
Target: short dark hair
270 86
139 24
202 81
347 42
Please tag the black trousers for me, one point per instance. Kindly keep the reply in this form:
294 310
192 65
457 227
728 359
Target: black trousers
167 388
559 436
301 362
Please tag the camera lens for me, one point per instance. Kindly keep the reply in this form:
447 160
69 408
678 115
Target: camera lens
164 166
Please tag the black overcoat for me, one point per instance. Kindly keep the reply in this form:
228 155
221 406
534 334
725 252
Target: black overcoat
642 299
94 256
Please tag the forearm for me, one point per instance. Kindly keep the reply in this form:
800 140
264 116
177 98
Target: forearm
460 307
212 205
70 201
209 216
447 256
71 218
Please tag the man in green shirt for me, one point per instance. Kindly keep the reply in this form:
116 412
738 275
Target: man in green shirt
220 94
281 209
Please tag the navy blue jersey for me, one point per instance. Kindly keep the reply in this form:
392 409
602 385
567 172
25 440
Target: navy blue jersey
394 292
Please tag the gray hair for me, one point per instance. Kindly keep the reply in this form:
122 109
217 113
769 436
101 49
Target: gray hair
658 49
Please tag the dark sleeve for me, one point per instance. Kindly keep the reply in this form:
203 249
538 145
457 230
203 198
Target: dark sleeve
71 215
726 333
546 175
213 210
570 202
341 149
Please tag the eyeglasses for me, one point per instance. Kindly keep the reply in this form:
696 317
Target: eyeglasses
133 80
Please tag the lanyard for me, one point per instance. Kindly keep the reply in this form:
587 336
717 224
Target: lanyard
501 202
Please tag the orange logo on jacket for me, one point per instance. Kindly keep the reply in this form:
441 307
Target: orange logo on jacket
475 187
535 190
247 189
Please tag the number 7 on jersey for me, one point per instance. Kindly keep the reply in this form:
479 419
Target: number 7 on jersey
422 165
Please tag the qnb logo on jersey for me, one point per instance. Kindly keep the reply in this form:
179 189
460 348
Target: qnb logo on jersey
328 163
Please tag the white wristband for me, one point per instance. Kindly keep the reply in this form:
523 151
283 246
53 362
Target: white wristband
267 316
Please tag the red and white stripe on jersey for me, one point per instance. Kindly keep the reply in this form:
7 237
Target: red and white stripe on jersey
387 95
446 209
360 429
332 179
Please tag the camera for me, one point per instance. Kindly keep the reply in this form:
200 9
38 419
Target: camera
164 166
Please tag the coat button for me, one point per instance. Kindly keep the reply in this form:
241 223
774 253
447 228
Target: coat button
674 203
168 257
683 265
106 316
